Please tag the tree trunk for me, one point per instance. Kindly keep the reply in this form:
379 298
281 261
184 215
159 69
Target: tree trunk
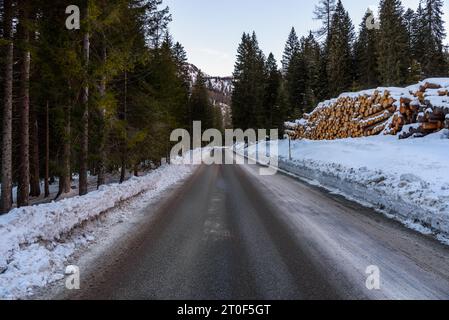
123 170
84 152
65 183
67 153
6 199
104 120
23 191
124 145
47 152
35 187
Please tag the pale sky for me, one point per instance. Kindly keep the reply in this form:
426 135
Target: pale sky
211 30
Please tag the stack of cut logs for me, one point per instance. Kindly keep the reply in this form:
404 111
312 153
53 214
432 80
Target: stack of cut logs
405 113
345 117
423 114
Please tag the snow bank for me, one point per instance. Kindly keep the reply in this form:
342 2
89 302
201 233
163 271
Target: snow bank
32 242
407 179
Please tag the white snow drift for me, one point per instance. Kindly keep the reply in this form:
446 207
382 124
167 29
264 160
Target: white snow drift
36 241
407 179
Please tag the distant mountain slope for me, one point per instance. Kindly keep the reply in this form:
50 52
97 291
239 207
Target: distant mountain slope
222 85
220 92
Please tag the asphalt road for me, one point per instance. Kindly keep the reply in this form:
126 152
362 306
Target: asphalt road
229 233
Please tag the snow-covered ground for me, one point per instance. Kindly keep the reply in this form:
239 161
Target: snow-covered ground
37 241
406 179
54 187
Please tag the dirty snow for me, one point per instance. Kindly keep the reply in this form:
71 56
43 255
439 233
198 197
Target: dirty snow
37 241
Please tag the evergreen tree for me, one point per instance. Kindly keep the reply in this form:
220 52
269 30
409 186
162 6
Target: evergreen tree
8 49
200 105
324 12
292 47
432 33
366 55
340 66
272 87
280 112
394 53
322 91
419 37
296 86
23 190
409 22
104 92
249 84
312 58
218 118
412 25
180 57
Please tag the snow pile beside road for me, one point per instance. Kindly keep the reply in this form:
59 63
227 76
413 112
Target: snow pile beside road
407 179
32 239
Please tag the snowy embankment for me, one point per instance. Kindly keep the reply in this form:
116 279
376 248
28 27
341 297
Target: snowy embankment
405 179
37 241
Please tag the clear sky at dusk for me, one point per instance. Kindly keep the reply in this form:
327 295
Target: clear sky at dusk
211 30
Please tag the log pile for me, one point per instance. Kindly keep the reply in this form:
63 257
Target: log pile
349 116
426 113
412 111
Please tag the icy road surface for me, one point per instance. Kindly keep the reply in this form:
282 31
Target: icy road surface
229 233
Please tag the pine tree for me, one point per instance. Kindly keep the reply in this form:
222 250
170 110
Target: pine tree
102 110
409 22
322 92
23 190
296 86
249 84
180 56
432 33
412 24
292 47
272 87
8 49
280 112
366 55
93 100
200 105
324 12
340 61
240 81
419 37
312 57
84 145
394 53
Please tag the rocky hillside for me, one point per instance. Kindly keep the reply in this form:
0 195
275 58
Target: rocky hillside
220 91
221 86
